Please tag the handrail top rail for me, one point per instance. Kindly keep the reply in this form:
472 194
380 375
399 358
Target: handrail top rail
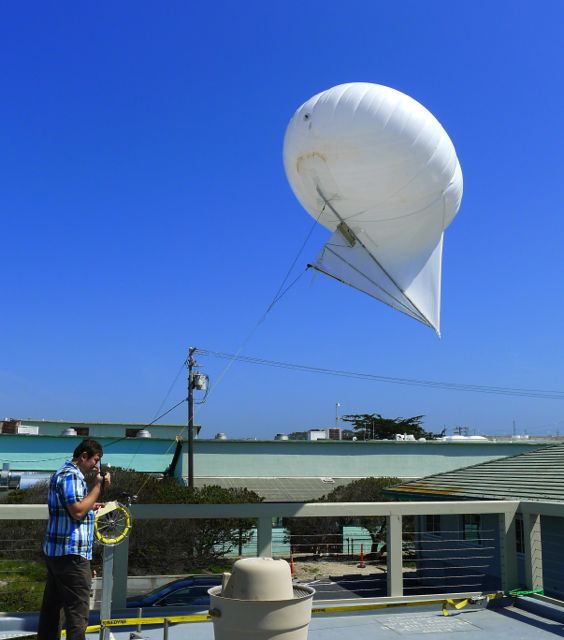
305 509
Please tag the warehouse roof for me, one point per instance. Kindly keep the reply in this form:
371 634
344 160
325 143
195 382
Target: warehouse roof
303 489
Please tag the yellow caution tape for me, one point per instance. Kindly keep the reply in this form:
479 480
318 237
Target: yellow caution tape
130 622
454 604
460 604
369 607
204 617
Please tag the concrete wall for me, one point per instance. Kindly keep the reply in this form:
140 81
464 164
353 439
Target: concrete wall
231 458
252 459
47 453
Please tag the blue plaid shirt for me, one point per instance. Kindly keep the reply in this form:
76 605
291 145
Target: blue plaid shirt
64 535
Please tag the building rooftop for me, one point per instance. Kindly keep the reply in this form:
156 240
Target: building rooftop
409 623
304 489
535 475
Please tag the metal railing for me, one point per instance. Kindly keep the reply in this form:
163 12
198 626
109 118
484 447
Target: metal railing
417 556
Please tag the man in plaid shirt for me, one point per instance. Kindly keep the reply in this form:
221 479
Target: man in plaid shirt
68 544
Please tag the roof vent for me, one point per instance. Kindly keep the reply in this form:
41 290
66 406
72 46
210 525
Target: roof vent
259 600
143 433
69 431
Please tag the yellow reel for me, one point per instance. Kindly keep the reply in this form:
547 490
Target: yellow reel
112 523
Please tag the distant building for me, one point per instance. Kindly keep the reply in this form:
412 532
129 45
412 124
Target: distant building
20 426
332 433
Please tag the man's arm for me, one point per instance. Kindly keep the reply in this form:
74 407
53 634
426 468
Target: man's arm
78 510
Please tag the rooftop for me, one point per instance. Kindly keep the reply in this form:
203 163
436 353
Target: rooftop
534 475
413 622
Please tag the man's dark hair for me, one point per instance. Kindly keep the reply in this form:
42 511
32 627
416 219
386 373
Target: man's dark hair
89 446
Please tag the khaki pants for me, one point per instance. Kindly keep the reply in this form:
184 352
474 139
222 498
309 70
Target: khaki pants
68 588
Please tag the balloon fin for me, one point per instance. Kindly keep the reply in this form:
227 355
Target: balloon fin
350 257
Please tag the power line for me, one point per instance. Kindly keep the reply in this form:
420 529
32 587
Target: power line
545 394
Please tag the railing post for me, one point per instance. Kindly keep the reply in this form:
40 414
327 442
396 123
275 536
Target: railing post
508 555
107 585
264 537
121 561
533 550
394 539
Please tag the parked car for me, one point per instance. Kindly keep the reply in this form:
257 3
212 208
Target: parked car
185 591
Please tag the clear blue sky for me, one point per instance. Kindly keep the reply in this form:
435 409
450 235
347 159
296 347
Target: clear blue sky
145 209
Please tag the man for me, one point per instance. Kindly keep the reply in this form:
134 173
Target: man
68 543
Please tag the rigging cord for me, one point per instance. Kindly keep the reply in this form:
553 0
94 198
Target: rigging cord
172 444
280 293
149 424
171 387
451 386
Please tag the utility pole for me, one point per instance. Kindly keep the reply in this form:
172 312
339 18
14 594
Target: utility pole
191 362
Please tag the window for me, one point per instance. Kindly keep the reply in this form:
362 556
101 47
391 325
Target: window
471 528
10 426
82 431
188 595
131 433
433 524
519 534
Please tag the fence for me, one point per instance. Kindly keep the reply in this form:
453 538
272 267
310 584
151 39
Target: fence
411 549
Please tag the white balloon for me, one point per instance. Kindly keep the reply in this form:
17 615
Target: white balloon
378 169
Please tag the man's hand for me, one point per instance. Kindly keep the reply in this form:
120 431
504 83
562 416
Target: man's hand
103 480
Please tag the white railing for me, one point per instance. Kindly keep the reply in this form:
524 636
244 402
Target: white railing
503 535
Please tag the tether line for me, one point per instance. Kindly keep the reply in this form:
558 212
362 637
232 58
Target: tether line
280 293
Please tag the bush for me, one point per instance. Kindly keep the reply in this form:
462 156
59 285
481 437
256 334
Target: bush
155 546
324 535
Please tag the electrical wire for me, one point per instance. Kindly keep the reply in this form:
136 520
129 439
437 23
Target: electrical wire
545 394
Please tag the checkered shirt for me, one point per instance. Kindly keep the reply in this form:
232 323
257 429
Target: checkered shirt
64 535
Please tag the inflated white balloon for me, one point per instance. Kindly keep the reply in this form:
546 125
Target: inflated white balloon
378 169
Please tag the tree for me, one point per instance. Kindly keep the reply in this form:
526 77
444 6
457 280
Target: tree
297 435
324 535
373 426
367 490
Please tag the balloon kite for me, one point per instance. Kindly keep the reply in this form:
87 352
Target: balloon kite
378 170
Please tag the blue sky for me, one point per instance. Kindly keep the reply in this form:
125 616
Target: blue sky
145 209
